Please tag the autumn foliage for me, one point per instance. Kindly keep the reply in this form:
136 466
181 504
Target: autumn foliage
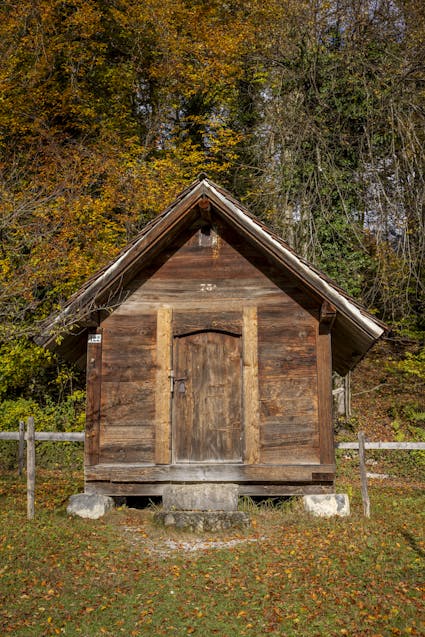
312 113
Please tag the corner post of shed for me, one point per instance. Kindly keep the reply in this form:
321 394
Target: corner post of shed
94 385
324 381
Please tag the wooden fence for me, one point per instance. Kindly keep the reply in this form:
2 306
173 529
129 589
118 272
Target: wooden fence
361 446
32 436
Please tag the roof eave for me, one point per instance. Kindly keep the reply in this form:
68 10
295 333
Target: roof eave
371 327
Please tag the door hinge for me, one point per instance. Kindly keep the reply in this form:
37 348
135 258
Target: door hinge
171 377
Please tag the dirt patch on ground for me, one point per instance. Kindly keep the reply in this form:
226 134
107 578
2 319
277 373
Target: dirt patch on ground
139 529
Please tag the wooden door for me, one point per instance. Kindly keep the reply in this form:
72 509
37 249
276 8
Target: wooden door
207 398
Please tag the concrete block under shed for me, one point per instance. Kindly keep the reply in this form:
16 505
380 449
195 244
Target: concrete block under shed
200 497
327 505
89 505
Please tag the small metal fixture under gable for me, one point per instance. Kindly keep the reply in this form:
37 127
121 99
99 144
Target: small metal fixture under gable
207 236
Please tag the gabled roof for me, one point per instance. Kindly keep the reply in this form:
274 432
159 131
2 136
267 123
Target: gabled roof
354 330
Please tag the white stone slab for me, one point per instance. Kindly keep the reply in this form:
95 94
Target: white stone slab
327 505
89 505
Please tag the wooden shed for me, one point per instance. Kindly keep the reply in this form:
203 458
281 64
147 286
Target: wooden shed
210 347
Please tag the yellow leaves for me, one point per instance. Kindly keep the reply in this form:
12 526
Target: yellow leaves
176 571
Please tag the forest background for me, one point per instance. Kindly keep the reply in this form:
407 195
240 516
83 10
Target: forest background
310 112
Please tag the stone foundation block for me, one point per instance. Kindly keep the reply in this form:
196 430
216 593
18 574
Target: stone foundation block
327 505
198 521
89 505
200 497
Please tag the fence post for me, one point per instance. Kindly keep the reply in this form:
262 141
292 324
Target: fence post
363 475
347 395
21 447
30 467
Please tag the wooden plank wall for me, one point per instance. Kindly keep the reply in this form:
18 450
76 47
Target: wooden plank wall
128 388
216 275
288 385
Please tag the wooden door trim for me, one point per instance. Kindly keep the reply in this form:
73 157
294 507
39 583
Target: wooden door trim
250 395
163 386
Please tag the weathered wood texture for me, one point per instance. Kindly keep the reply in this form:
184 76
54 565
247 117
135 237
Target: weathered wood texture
395 446
221 217
211 303
288 386
324 374
129 369
162 428
207 398
196 276
196 319
250 385
51 436
210 473
30 468
363 474
157 489
21 447
93 401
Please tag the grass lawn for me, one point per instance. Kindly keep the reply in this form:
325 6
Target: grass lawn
290 574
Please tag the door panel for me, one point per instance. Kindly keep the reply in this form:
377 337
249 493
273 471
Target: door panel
207 397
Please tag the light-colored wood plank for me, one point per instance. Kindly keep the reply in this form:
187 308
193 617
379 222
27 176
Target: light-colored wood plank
162 390
250 385
51 436
382 445
210 473
157 489
284 489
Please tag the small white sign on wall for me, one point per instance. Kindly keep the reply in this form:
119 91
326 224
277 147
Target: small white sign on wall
95 338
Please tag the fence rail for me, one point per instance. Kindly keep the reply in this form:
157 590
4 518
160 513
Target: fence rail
381 445
52 436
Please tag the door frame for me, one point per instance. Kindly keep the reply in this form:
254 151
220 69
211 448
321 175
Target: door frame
178 321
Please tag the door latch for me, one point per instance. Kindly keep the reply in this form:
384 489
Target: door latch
181 385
